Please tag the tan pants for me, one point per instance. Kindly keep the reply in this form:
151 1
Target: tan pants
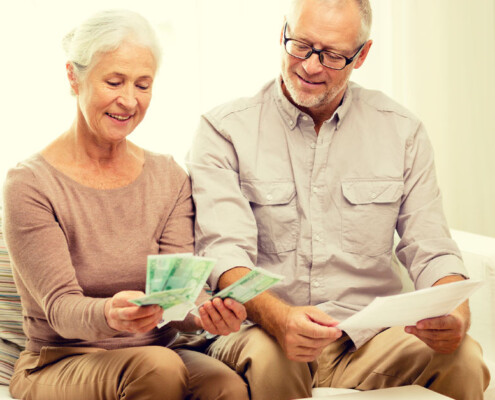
136 373
392 358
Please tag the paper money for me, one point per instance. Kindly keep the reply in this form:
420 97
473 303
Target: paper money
165 299
159 268
251 285
174 281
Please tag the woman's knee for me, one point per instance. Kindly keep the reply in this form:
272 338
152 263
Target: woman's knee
155 370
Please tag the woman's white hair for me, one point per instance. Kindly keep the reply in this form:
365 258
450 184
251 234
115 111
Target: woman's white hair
105 32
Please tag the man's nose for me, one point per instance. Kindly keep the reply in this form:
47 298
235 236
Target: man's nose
312 65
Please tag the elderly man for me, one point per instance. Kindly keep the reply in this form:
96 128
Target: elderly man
309 179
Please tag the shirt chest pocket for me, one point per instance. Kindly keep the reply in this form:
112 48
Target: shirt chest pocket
369 215
275 210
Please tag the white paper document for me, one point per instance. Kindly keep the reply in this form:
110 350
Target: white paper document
403 393
406 309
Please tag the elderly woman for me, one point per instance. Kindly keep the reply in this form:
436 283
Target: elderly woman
80 218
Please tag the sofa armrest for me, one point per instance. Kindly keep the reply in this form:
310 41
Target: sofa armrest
478 253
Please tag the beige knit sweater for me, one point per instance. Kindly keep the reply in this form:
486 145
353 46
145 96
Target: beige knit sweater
72 247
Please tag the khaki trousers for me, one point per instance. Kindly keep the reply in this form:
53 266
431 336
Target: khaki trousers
392 358
135 373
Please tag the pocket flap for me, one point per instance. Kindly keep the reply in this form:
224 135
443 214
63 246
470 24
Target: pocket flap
267 193
367 192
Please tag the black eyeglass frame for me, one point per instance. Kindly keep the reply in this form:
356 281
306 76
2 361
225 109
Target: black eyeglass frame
319 52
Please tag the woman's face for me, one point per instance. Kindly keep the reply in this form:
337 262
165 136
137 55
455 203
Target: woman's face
114 96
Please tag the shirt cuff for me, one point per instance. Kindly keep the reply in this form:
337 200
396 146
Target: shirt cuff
226 263
439 268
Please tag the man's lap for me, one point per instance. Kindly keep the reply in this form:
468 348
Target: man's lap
391 358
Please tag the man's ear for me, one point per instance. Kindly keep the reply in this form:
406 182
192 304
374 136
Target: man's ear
364 53
282 31
74 84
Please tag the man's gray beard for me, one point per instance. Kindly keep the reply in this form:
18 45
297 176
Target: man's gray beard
304 101
309 101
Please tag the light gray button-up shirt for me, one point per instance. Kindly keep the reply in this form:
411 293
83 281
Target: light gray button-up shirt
321 210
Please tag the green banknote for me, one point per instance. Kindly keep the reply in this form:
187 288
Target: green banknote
174 281
192 272
165 299
251 285
159 268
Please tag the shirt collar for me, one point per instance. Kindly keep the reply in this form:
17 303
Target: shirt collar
291 114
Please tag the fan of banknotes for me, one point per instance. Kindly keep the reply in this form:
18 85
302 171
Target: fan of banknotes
174 282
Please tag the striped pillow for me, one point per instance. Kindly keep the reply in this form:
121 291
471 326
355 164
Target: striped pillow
12 338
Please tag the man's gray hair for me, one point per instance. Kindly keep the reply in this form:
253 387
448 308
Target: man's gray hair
105 32
364 9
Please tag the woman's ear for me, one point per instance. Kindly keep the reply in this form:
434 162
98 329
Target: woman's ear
74 84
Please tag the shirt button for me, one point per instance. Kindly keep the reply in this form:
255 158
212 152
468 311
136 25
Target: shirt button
305 118
315 189
269 197
313 145
316 284
373 195
317 237
291 122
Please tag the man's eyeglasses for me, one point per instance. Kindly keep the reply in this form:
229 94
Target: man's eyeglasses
329 59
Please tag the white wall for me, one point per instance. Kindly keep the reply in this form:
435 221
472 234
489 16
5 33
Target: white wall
438 59
435 57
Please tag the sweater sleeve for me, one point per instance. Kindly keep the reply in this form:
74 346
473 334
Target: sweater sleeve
178 235
42 263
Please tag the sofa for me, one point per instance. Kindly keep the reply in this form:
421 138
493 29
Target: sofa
478 253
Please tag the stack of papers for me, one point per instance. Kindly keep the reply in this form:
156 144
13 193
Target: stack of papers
408 308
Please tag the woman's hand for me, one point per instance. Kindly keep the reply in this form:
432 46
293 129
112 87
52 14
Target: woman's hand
125 316
221 317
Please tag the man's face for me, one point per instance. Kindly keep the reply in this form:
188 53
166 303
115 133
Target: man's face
323 25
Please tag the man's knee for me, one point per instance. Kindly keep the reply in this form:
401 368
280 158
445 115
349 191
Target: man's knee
267 369
466 375
461 375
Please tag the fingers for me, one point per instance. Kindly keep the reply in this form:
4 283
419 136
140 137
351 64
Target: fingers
308 331
123 315
237 308
442 334
440 323
304 322
222 317
440 343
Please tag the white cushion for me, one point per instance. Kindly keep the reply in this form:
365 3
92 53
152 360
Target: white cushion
4 393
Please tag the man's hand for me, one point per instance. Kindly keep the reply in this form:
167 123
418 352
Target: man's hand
221 317
444 334
307 331
302 332
124 316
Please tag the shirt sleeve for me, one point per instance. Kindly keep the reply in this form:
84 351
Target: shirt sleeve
225 226
426 248
41 260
